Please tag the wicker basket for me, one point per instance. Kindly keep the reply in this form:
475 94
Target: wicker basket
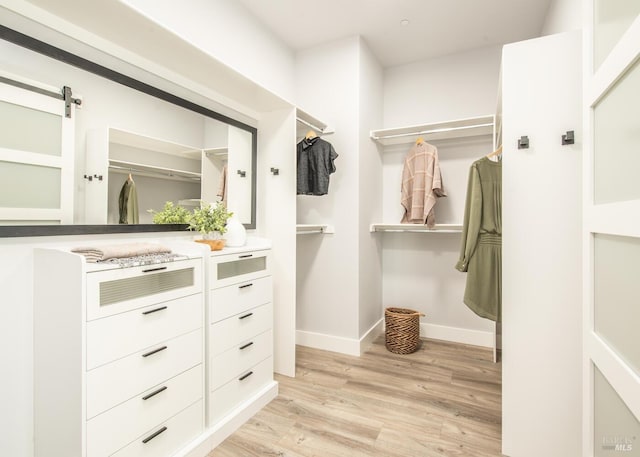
402 334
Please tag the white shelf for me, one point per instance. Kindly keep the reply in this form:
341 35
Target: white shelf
190 202
439 228
306 121
221 153
461 128
309 229
121 166
135 140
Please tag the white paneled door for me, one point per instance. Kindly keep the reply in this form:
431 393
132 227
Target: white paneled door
36 154
612 229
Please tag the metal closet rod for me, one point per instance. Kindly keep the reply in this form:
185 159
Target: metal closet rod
154 172
442 130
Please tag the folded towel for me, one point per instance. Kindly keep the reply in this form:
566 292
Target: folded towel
119 251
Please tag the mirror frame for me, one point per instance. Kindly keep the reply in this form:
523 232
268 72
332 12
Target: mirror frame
32 44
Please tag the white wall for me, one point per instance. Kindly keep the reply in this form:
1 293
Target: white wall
563 16
229 32
370 191
327 265
418 268
443 88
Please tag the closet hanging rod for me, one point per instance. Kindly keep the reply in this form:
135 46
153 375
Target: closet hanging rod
426 132
166 173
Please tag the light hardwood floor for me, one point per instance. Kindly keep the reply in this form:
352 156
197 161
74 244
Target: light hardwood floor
443 400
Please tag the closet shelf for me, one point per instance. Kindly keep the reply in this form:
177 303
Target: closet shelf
309 229
221 153
121 166
137 141
190 202
309 122
460 128
439 228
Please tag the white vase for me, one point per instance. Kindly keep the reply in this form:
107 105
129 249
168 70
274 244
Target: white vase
236 234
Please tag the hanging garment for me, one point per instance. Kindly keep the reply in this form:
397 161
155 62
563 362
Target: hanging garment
128 203
421 184
222 188
315 164
481 249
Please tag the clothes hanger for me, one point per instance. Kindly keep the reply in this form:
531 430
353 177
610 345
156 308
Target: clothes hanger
419 141
497 152
310 134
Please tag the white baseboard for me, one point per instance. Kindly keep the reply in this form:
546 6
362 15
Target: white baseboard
215 435
348 346
376 330
351 346
457 335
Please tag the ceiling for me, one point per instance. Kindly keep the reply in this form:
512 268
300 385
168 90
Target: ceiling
436 27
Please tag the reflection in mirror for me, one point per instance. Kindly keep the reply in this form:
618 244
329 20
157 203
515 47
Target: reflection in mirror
171 148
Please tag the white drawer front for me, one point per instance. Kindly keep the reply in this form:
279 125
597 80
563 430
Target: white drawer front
117 336
229 396
121 425
120 290
231 300
230 332
239 359
235 268
167 438
118 381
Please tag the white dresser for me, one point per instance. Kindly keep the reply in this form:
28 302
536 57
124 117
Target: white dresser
119 356
240 336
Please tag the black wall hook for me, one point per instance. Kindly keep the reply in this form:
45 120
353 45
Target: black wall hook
275 171
242 173
523 142
568 138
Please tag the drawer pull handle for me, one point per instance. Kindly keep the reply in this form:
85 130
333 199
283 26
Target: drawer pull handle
242 378
153 435
149 270
154 393
155 351
246 256
246 345
245 316
245 286
151 311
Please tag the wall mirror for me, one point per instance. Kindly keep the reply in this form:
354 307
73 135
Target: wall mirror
64 160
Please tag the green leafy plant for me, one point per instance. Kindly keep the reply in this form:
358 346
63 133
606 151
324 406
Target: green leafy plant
210 218
171 214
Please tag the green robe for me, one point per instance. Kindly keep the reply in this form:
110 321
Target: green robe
481 248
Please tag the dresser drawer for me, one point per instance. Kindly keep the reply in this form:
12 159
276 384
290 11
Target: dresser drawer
168 437
240 389
119 426
230 332
231 300
234 268
240 359
116 291
123 334
118 381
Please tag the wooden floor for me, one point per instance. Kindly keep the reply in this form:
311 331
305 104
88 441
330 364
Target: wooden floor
443 400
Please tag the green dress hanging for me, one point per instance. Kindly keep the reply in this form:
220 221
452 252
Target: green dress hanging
481 248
